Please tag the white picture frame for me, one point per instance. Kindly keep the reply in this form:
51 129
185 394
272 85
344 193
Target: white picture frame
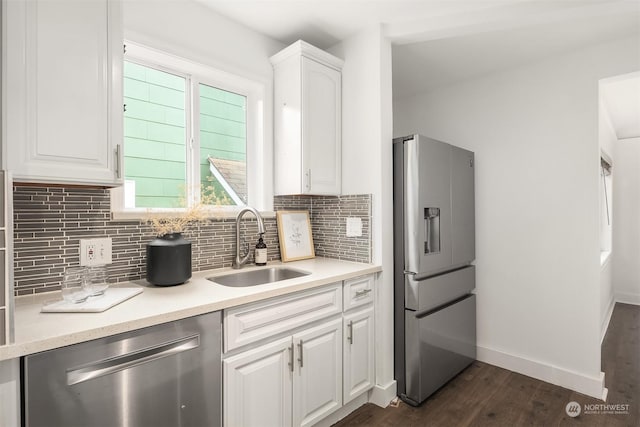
294 232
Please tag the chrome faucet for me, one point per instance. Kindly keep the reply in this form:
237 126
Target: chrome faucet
240 261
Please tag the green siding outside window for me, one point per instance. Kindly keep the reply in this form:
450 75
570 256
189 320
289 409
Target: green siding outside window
155 124
154 135
223 137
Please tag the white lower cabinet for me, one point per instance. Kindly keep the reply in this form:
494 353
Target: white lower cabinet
295 380
257 386
319 357
359 369
317 381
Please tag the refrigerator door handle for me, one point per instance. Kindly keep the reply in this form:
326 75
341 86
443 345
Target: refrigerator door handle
409 273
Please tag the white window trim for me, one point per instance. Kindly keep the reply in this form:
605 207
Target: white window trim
259 161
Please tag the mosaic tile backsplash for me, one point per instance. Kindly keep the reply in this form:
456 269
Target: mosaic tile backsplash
328 224
49 221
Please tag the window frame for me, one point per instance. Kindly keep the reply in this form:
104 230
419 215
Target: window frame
259 193
605 193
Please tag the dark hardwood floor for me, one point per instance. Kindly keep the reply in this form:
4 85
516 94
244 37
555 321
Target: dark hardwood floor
485 395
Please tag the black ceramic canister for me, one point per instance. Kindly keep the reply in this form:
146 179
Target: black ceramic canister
168 260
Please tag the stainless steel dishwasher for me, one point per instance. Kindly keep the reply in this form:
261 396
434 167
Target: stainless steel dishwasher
164 375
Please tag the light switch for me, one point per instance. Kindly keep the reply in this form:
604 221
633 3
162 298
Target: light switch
354 227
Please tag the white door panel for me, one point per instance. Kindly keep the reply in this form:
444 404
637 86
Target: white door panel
317 385
359 369
257 386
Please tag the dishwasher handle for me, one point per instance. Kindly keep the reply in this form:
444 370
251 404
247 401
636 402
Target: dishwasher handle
119 363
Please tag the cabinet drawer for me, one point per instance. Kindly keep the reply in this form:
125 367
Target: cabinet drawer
358 291
253 322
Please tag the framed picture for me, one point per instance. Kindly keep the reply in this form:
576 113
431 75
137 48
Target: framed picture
294 232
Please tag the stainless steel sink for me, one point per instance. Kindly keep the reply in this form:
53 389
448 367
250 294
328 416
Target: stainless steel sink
258 277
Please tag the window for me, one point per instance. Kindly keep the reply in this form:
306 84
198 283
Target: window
155 137
191 134
223 153
605 206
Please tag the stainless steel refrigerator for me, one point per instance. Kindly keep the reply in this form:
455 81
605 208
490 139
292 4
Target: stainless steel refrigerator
434 245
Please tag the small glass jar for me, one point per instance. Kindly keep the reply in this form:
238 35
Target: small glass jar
97 280
73 285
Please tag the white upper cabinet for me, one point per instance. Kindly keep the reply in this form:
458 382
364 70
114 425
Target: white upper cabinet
63 89
308 114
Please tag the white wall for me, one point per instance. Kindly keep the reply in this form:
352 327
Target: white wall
189 29
607 300
367 168
534 130
606 138
626 211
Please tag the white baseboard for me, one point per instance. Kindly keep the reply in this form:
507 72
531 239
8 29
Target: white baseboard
591 386
378 395
628 298
607 318
382 395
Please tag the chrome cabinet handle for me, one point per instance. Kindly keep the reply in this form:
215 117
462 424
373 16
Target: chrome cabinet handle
362 293
308 179
120 363
301 358
290 348
118 166
350 336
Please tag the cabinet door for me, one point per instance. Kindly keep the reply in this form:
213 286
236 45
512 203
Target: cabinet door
287 127
317 384
359 369
63 87
321 128
257 386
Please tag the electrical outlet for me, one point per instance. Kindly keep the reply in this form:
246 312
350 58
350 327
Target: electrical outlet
95 251
354 227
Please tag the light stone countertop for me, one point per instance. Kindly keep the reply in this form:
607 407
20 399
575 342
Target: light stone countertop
36 331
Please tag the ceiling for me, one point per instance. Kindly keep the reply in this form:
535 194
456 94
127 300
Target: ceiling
440 42
324 23
519 41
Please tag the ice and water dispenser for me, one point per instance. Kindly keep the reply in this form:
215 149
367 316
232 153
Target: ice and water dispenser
432 226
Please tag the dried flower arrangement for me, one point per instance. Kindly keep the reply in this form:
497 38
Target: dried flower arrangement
178 222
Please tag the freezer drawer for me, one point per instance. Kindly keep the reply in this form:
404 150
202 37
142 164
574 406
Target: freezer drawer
439 345
428 294
165 375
